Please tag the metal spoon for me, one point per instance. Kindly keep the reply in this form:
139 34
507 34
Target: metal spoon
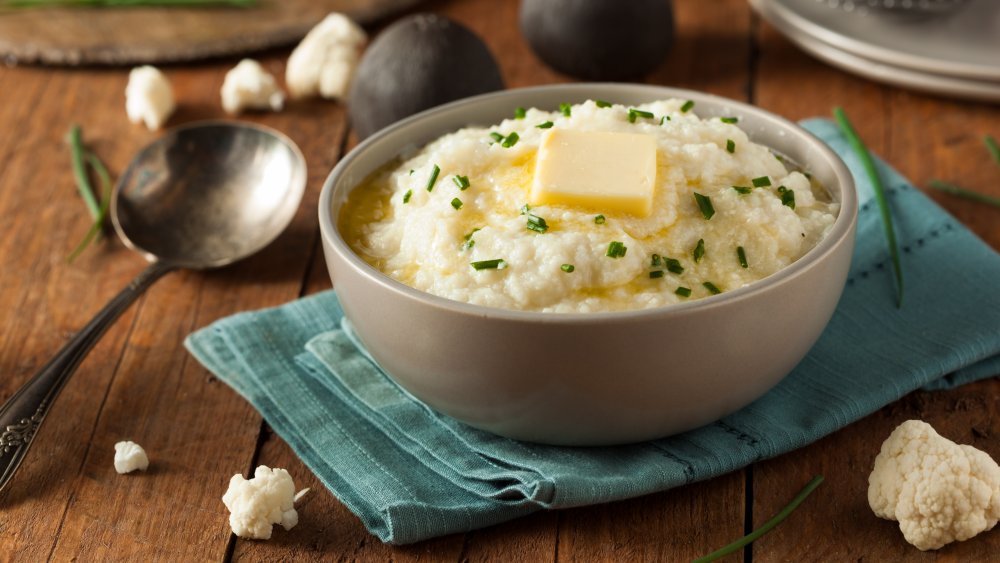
202 196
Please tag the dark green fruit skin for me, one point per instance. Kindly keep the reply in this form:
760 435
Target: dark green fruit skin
599 39
419 62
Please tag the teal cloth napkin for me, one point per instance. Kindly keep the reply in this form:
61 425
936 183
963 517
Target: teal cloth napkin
411 474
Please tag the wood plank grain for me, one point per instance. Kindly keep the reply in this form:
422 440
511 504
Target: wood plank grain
197 431
922 136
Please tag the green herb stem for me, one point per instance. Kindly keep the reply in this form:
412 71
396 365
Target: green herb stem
102 212
545 125
991 145
433 177
869 165
730 146
78 156
767 527
687 106
494 264
705 205
964 193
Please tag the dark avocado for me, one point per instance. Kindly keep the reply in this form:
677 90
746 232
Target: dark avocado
599 39
417 63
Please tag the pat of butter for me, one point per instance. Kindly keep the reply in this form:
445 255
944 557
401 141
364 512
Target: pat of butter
599 170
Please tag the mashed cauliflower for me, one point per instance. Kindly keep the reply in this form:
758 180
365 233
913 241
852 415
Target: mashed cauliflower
433 239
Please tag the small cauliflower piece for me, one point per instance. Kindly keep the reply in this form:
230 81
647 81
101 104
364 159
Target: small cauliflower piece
249 86
323 63
939 491
130 456
149 98
255 505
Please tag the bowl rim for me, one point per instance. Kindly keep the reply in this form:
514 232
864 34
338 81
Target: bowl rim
843 227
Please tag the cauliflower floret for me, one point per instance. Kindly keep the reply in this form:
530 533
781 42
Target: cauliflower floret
130 456
249 86
257 504
939 491
148 97
324 61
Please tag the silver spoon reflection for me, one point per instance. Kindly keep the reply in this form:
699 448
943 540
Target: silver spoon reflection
202 196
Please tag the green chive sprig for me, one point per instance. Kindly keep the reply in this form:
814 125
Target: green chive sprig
407 196
520 112
673 265
616 249
964 193
705 205
767 527
730 146
497 137
80 158
510 140
729 119
656 274
787 196
687 106
711 287
566 109
433 177
869 165
991 145
741 255
634 114
761 182
743 190
568 268
683 291
537 224
545 125
602 104
599 220
469 241
462 182
494 264
699 251
456 203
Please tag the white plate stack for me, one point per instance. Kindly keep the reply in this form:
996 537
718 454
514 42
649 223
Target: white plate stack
953 51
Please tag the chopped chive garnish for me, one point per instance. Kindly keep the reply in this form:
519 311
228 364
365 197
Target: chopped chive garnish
655 260
599 220
683 291
869 165
761 182
705 204
520 112
434 177
663 119
711 288
656 274
699 251
787 196
687 106
962 192
634 113
565 109
602 104
743 189
567 268
545 125
616 249
456 203
730 146
411 172
525 209
469 241
510 140
537 224
778 157
729 119
462 182
497 137
673 265
495 264
741 255
991 145
407 196
767 527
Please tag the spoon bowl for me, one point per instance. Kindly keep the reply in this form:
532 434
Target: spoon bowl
209 194
202 196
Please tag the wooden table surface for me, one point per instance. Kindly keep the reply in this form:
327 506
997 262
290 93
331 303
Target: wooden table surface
67 502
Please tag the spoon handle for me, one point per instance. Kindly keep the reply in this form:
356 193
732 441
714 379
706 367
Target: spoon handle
25 411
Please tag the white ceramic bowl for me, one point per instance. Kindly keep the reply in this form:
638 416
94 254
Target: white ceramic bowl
590 378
